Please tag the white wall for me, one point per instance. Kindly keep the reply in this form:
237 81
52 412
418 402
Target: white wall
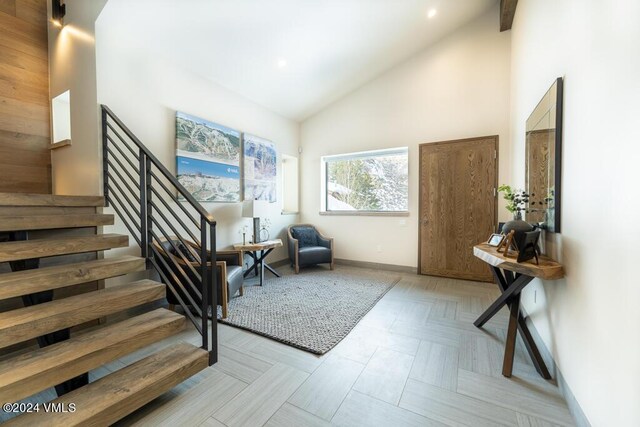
458 88
590 320
72 66
145 91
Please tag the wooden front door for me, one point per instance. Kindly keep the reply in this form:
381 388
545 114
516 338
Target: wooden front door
458 204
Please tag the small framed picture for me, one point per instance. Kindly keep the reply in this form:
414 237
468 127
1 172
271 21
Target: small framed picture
495 239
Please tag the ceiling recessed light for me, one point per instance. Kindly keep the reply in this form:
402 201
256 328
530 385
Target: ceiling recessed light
432 13
281 63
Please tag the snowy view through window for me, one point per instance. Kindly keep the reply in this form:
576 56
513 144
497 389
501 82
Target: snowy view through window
372 181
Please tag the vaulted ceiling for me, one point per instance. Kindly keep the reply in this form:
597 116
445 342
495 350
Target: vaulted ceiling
291 56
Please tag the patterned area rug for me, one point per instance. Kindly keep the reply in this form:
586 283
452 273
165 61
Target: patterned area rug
313 310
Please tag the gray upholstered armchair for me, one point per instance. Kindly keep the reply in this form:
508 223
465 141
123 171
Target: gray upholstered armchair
228 265
307 246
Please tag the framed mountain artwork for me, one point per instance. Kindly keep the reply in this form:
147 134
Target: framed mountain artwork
260 162
207 159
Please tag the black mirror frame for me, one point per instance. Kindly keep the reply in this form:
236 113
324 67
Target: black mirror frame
558 166
557 179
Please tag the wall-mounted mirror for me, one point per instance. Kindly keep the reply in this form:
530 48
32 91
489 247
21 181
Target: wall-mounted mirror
543 157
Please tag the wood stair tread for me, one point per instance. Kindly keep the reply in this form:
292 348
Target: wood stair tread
49 222
40 369
39 248
41 279
30 322
24 199
118 394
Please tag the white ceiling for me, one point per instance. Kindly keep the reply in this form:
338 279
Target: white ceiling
331 47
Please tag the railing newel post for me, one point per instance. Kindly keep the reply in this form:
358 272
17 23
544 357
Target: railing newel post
204 262
149 217
144 246
105 154
213 351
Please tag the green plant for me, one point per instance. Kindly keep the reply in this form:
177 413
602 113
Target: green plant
516 199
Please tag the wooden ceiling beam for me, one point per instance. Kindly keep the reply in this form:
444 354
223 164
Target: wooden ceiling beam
507 12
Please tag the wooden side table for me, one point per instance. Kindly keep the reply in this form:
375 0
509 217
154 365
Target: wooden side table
258 252
512 277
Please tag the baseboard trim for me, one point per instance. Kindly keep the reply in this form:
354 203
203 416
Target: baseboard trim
280 263
361 264
376 265
574 407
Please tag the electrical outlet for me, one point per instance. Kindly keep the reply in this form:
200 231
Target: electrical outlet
379 248
403 222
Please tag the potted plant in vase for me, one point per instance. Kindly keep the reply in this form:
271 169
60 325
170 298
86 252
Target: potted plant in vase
516 204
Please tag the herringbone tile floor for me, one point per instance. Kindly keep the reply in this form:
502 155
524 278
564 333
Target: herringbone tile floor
416 360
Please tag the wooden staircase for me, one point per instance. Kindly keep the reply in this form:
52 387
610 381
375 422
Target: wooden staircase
25 374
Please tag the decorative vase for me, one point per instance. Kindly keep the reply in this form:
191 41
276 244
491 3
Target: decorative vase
519 226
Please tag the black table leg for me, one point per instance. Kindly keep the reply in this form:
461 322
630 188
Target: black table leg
268 267
513 285
512 330
39 298
513 289
259 265
255 262
262 255
253 267
529 343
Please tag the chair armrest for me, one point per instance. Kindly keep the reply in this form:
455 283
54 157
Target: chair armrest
292 245
323 240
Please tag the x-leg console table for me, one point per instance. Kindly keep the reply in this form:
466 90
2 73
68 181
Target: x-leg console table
512 277
258 252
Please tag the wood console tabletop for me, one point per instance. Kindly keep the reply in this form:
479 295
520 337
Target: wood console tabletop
260 246
512 277
547 269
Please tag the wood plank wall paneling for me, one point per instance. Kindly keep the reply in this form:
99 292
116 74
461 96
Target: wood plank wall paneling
25 159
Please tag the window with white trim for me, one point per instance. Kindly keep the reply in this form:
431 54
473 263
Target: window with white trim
371 181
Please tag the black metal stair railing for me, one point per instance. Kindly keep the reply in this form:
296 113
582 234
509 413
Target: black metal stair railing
157 209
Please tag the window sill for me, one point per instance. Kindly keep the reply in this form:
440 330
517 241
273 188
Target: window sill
363 213
60 144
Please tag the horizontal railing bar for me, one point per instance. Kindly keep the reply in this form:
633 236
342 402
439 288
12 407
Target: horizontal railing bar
124 207
182 224
169 283
130 204
124 169
208 217
126 223
124 156
131 150
179 252
170 223
133 193
173 197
